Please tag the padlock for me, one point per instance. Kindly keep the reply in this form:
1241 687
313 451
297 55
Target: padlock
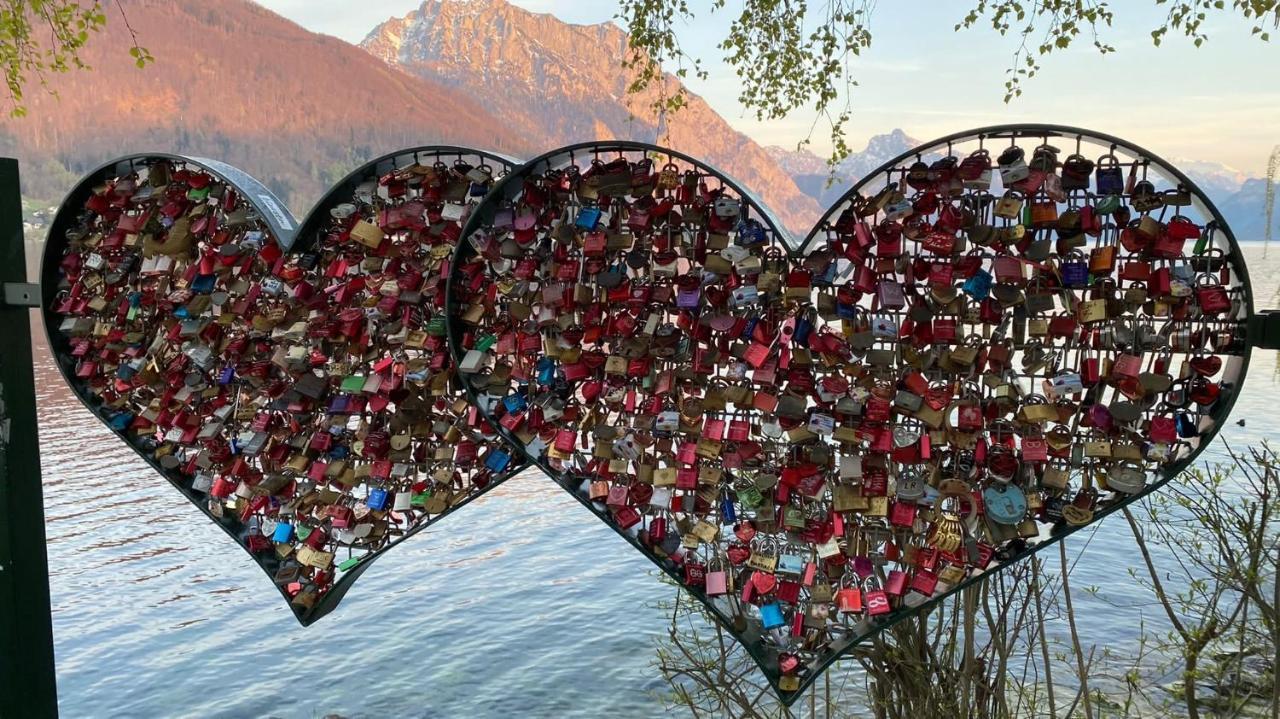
771 616
1074 270
1110 176
1013 166
1044 212
1076 172
975 170
1009 206
876 599
848 598
717 579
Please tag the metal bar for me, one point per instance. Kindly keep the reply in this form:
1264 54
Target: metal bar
21 294
1264 329
27 681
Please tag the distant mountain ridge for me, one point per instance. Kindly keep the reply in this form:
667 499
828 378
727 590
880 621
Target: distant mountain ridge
813 176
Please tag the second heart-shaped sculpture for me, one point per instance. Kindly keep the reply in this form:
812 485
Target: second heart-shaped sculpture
292 382
820 439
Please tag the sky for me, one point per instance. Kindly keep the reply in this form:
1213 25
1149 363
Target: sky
1217 103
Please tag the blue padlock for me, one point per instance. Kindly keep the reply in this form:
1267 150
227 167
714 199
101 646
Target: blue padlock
121 421
1183 271
800 334
497 460
846 311
728 515
790 564
377 499
588 218
1004 504
226 375
252 240
978 286
750 233
1110 177
515 403
771 616
750 327
283 532
1186 426
827 278
546 371
1075 273
204 284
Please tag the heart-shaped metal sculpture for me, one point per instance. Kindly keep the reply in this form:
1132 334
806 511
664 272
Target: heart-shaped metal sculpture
820 440
291 382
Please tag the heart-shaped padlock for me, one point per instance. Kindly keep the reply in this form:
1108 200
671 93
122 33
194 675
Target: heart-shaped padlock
293 383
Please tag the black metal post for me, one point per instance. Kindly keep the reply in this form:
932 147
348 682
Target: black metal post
27 683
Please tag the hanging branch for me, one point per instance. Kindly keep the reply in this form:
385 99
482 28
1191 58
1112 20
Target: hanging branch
27 54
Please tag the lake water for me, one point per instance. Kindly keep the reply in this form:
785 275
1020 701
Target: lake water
522 605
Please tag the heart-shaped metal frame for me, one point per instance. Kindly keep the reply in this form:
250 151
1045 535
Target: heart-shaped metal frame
765 655
293 239
1246 334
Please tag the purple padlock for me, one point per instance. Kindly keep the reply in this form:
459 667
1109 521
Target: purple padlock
688 297
1101 417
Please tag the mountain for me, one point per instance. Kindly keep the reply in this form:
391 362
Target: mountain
811 173
797 163
1240 198
561 83
238 83
1245 211
1216 179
